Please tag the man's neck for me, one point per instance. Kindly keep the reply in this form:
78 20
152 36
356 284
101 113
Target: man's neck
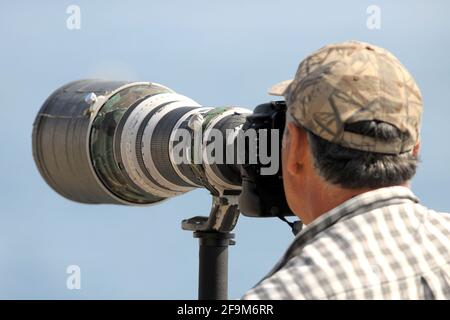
323 197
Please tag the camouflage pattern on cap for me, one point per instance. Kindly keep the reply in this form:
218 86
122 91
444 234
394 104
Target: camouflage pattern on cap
350 82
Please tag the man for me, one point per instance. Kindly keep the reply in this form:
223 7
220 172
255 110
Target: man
349 152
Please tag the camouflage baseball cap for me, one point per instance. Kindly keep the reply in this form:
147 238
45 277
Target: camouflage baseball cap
349 82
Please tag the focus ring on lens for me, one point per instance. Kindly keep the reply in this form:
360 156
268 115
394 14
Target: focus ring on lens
129 138
149 134
160 146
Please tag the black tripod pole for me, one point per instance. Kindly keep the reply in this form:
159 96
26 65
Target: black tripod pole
213 264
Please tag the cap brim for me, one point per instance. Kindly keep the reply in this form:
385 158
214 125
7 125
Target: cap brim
280 88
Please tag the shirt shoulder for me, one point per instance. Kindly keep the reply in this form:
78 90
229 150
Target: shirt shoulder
389 246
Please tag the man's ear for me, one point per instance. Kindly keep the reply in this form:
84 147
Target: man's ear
296 145
416 149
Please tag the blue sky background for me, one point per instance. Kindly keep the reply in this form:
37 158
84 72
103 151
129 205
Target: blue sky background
218 53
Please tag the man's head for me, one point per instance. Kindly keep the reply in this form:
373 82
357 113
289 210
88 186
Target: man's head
352 125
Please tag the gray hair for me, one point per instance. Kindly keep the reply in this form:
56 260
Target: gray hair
353 169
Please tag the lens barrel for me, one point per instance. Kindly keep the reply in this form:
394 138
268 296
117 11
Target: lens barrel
115 142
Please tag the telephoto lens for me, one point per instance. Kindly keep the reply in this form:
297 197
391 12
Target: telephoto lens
133 143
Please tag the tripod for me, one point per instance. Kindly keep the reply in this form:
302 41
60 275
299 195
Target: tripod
214 234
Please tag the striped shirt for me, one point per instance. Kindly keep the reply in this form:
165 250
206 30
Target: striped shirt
380 244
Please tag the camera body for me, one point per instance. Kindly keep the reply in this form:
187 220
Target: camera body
263 195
